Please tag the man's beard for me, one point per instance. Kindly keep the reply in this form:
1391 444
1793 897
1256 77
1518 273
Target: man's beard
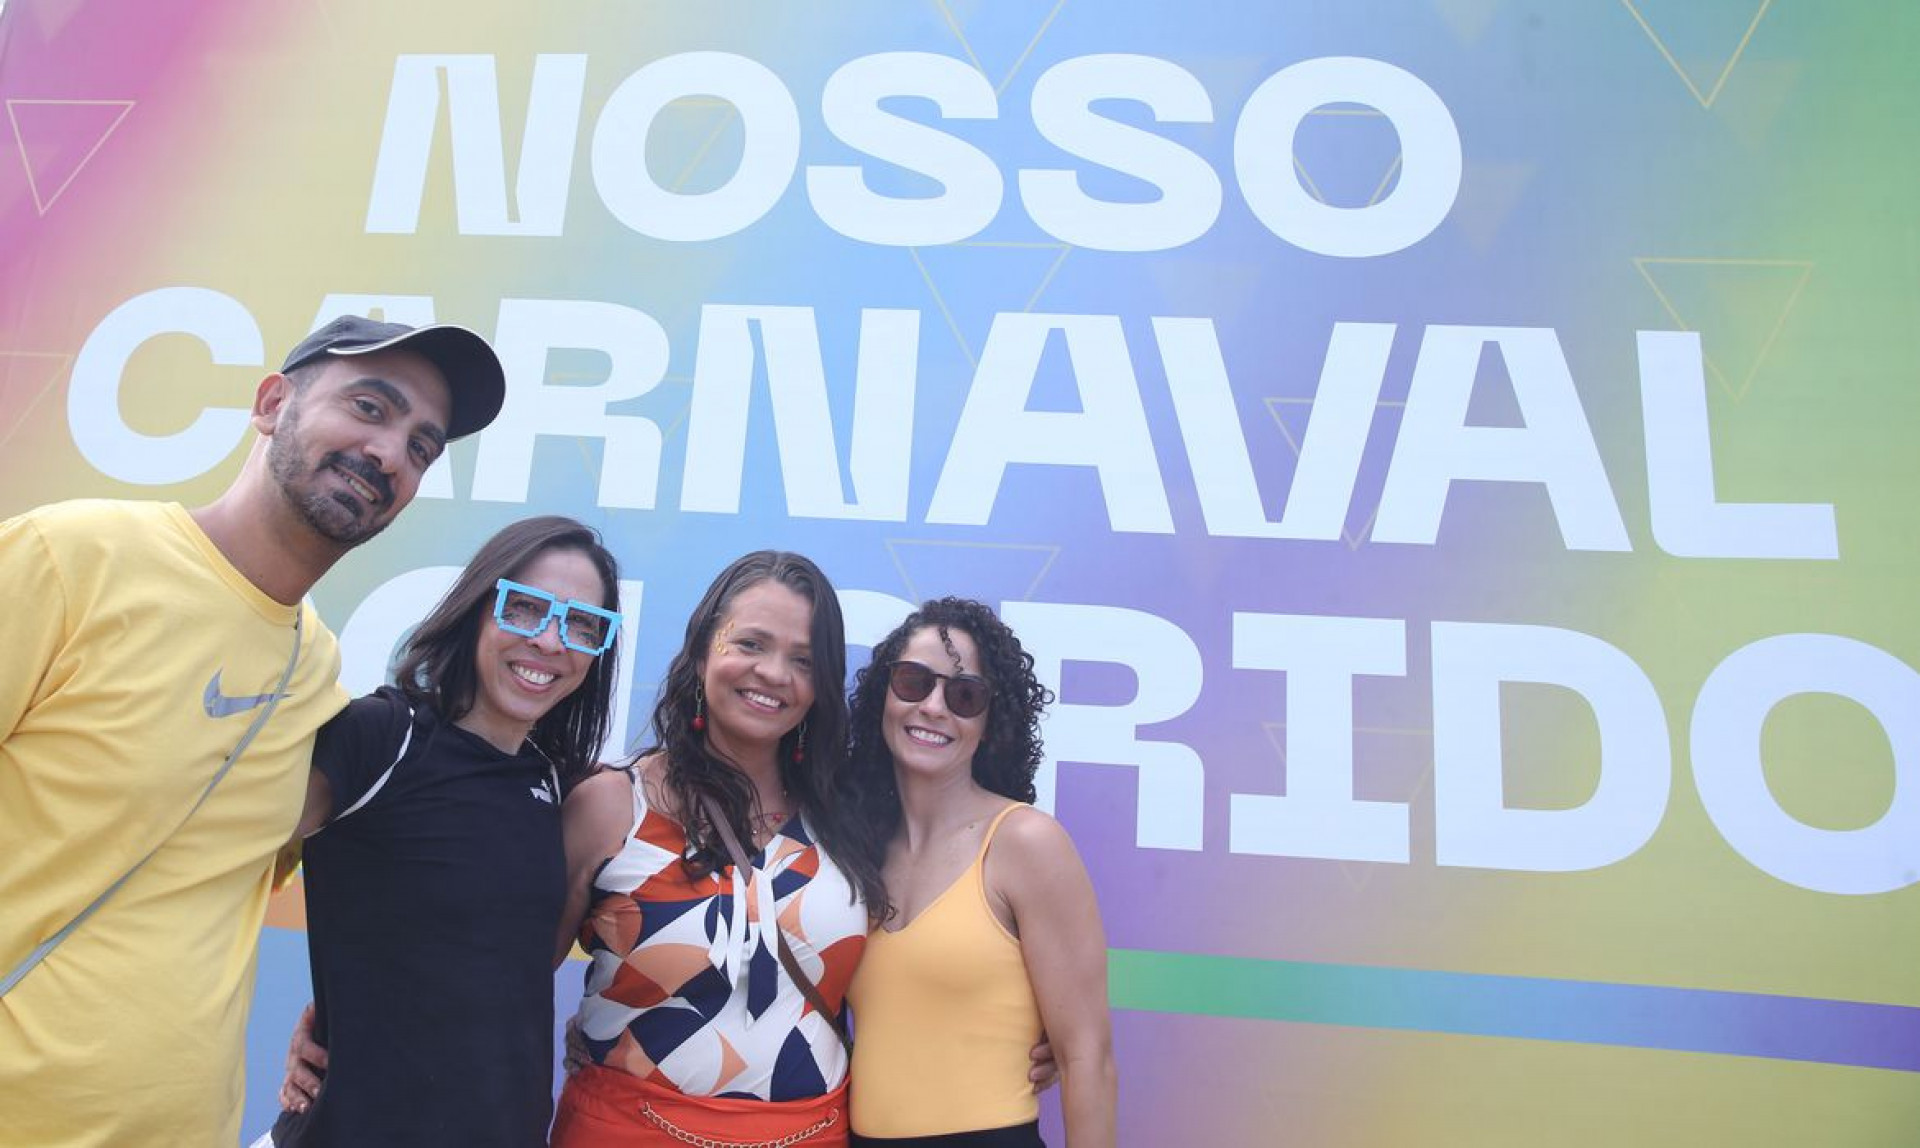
337 516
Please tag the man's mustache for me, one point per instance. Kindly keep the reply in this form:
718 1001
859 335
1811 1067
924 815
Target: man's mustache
364 471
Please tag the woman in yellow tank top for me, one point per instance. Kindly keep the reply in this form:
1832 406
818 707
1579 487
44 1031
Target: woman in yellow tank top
992 932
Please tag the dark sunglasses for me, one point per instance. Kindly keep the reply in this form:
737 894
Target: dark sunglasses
967 694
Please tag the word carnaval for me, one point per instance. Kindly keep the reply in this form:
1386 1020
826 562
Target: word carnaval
1110 435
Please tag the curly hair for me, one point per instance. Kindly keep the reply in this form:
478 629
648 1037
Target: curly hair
1010 751
696 770
436 666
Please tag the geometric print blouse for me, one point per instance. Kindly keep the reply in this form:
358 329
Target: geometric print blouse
684 985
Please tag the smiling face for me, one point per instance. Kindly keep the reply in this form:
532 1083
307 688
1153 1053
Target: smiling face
925 737
758 669
354 438
518 679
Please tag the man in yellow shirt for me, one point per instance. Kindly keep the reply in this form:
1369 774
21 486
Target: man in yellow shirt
142 642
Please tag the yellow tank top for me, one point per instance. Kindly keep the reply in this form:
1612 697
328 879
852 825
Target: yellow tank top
944 1018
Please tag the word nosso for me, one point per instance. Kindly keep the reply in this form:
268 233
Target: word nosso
1186 202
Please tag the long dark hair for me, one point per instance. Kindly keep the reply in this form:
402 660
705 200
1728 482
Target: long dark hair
437 665
695 770
1010 751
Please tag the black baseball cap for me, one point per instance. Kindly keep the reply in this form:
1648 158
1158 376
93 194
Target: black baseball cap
475 379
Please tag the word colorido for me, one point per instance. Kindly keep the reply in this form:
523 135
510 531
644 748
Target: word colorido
1331 663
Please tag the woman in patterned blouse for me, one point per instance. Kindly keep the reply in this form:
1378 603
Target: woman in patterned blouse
693 1029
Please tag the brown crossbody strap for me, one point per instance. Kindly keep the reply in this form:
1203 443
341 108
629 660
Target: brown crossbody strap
787 961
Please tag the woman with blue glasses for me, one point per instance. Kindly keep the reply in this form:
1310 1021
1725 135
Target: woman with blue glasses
435 871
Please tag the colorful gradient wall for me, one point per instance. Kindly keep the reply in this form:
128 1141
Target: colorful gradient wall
1453 457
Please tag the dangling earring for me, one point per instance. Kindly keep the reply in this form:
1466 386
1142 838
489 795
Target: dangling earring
800 747
699 722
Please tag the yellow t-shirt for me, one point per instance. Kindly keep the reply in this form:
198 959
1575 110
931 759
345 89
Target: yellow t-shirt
135 659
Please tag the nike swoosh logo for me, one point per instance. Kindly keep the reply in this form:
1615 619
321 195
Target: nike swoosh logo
219 705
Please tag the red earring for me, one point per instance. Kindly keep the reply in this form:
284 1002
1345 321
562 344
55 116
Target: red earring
800 747
699 722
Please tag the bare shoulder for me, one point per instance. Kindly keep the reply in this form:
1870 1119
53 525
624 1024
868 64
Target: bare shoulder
1035 871
598 810
601 790
1030 836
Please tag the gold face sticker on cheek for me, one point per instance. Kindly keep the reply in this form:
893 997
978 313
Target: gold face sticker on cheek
720 639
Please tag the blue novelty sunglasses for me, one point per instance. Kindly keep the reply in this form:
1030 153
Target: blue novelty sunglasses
526 610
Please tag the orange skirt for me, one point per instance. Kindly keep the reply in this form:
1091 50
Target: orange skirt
607 1108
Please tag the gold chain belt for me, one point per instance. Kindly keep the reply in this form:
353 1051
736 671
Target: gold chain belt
699 1141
